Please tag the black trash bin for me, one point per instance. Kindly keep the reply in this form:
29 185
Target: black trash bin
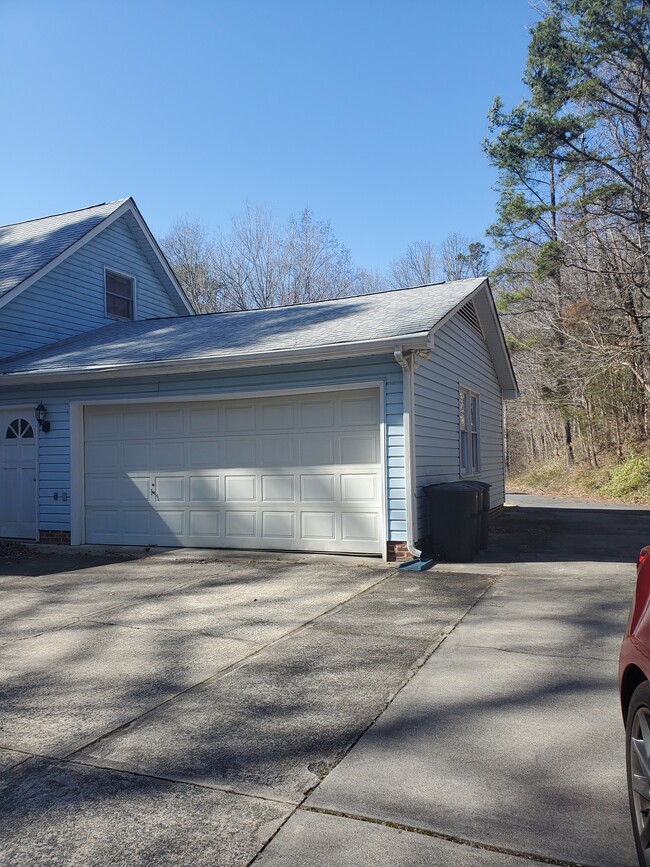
454 509
484 503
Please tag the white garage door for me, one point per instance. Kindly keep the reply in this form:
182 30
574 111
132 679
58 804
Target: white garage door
298 473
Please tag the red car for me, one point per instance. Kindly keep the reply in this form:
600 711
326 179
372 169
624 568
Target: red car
634 682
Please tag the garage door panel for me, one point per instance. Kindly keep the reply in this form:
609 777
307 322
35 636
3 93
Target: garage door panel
278 489
276 417
317 449
276 452
202 454
102 425
359 412
358 526
359 449
101 491
357 488
318 526
240 488
240 524
278 525
203 420
135 489
204 489
134 456
135 523
317 488
315 414
169 454
168 421
239 418
286 473
103 455
169 489
205 524
103 525
168 524
239 452
136 424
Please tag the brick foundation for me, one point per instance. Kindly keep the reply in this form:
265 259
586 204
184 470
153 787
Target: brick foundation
54 537
397 552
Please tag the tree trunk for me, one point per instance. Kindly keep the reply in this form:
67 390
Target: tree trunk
568 444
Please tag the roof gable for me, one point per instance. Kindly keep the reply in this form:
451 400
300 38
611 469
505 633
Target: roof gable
31 249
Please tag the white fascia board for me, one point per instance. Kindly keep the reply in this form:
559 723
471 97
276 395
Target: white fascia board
253 359
29 281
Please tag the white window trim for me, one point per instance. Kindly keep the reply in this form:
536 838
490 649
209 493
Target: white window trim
465 392
117 272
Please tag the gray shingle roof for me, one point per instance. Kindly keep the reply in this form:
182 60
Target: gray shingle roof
220 336
27 247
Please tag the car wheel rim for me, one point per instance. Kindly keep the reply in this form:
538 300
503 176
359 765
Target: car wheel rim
640 777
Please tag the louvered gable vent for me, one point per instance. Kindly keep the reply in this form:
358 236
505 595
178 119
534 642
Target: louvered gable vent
468 313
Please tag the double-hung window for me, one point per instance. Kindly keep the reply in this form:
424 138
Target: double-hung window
470 446
120 291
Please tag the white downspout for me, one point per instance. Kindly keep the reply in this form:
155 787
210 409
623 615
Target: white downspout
406 363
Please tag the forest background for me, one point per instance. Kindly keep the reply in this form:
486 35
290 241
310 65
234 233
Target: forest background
568 255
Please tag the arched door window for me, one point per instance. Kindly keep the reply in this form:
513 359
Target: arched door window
19 429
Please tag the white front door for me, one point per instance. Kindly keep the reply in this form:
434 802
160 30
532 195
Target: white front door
298 472
17 475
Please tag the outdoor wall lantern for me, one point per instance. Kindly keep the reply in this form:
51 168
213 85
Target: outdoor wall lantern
40 412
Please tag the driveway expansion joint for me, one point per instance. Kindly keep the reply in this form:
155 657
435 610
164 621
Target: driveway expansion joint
439 835
176 780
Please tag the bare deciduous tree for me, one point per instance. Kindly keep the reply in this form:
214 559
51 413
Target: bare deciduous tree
191 254
463 257
417 267
260 263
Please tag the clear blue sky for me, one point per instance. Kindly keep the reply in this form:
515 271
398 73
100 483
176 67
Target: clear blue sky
369 112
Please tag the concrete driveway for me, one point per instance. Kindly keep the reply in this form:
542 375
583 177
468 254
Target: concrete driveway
183 708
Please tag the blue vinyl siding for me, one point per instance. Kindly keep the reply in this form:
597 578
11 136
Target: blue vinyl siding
54 447
460 357
70 298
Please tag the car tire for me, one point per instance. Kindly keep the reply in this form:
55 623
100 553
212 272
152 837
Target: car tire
637 757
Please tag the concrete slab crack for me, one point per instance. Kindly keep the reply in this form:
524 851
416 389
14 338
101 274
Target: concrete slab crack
572 656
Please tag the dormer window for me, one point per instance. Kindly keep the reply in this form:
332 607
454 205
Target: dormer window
120 291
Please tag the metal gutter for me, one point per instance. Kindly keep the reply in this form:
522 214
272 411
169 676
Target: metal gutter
404 358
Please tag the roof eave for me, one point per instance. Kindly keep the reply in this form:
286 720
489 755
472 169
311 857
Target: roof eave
248 359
